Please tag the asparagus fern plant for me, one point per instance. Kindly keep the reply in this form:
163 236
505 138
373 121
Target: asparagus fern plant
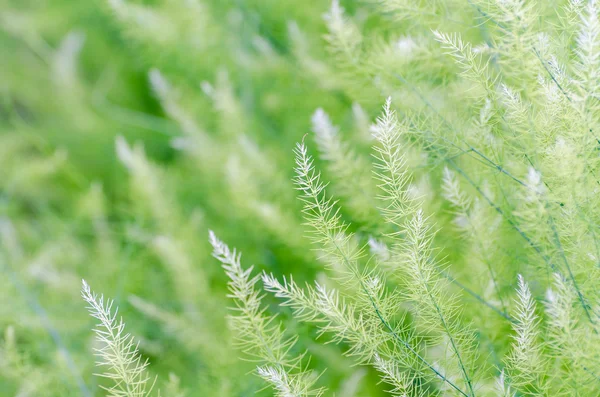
415 182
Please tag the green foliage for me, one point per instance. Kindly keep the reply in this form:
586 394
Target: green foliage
455 251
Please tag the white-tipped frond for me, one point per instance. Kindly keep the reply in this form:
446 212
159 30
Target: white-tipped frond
118 353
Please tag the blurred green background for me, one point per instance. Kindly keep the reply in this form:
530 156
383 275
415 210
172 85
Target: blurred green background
209 99
128 129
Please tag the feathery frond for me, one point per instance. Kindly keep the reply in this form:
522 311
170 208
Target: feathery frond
118 353
526 363
259 335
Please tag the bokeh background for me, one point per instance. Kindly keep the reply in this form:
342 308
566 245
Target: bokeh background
129 128
208 99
